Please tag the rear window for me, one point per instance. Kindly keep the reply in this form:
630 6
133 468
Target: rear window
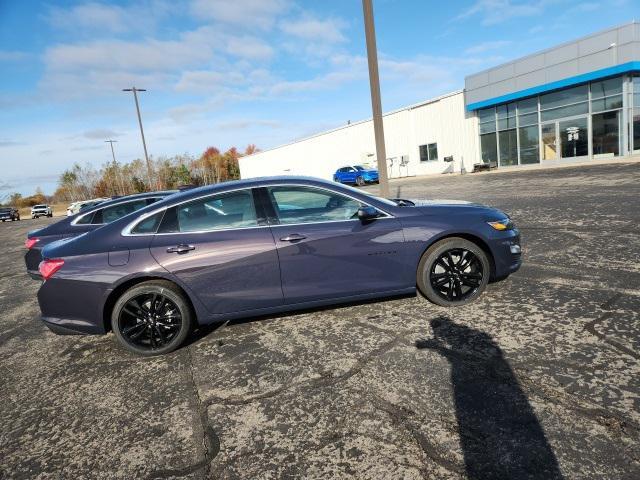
148 225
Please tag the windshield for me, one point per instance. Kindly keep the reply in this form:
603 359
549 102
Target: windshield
40 206
380 199
359 168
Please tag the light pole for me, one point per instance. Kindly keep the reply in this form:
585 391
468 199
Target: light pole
115 165
376 103
144 144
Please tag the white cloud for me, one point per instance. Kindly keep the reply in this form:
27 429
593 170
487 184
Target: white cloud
247 13
314 29
100 134
494 12
90 15
249 47
487 46
203 81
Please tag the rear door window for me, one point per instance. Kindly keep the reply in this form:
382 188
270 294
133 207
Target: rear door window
218 212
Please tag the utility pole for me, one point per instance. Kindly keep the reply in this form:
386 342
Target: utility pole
115 165
144 144
376 103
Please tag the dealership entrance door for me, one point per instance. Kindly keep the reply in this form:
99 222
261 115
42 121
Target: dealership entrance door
565 139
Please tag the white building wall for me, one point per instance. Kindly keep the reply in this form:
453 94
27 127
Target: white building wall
443 121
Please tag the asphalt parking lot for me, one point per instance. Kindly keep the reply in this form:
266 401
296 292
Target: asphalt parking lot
538 379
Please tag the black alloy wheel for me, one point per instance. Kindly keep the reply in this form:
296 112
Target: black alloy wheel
456 274
151 318
453 272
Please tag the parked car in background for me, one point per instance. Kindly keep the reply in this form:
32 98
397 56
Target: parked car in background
76 207
41 211
9 213
262 246
356 175
85 221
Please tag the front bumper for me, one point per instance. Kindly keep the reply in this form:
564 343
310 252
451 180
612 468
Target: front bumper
507 254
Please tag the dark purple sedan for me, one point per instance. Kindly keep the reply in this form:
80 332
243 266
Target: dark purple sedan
262 246
86 220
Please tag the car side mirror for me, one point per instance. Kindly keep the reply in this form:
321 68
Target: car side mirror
367 213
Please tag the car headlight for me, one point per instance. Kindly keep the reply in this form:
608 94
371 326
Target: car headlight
501 225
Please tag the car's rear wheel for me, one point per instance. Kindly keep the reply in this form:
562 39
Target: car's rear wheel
360 181
336 179
453 272
152 318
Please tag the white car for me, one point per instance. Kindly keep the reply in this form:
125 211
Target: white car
41 211
71 209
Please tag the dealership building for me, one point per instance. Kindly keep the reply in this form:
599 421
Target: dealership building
574 102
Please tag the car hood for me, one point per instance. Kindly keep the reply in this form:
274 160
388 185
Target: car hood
450 207
421 202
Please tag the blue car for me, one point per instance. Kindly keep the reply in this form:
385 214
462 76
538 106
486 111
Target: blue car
263 246
356 175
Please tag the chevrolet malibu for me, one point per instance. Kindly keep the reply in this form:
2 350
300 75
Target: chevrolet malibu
88 219
263 246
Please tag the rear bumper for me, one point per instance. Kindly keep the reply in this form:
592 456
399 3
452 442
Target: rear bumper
72 306
32 260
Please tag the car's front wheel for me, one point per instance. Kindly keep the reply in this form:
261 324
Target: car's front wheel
360 181
453 272
152 318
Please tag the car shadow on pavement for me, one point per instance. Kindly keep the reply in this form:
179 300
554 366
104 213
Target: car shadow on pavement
500 434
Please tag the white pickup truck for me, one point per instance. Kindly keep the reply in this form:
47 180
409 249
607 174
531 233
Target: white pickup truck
41 211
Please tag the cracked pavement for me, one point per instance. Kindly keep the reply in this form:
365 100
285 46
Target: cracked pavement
538 379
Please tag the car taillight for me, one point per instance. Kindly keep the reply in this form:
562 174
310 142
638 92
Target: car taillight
30 242
48 267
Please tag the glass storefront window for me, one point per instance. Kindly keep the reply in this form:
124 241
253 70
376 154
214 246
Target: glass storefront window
486 115
530 105
508 148
529 145
605 129
506 123
636 129
562 112
488 127
489 147
549 142
530 119
606 88
574 141
607 103
564 97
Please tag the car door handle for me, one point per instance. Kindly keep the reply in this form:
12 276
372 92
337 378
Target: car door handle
294 237
180 248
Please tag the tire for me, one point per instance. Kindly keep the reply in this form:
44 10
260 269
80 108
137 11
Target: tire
360 181
459 285
148 333
336 179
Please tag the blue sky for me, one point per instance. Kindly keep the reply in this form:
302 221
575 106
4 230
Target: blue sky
224 73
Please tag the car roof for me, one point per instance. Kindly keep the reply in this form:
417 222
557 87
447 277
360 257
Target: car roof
126 198
248 183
